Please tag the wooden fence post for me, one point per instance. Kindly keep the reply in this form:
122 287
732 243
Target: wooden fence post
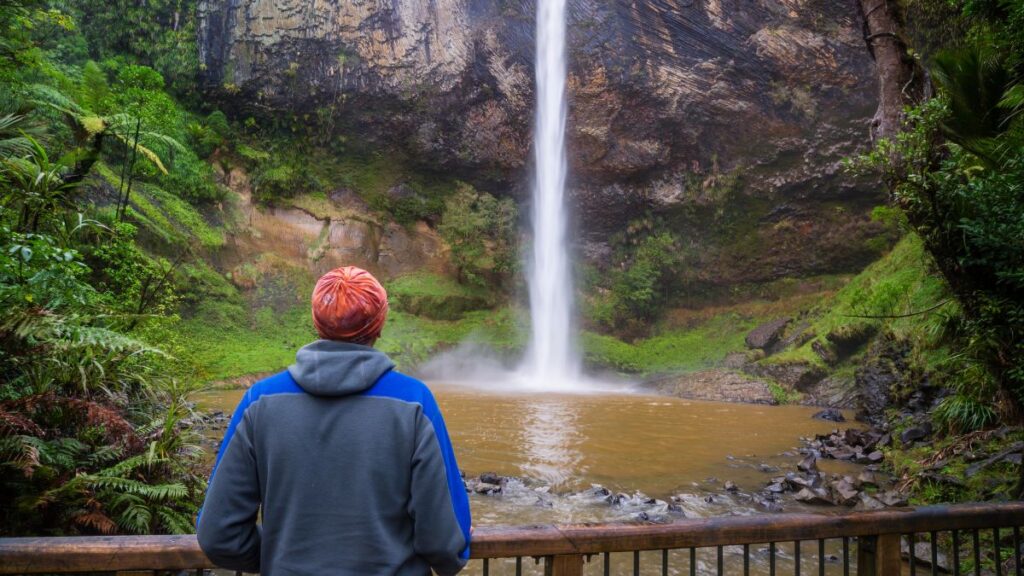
564 565
879 555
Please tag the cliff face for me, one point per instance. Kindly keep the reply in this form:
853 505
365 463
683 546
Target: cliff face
726 118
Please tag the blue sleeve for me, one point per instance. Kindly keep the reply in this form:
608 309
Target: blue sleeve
456 489
281 383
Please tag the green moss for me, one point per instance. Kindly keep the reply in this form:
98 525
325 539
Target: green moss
678 350
229 341
782 395
165 215
900 283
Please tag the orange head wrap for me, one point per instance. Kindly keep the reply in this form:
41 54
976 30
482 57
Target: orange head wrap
349 304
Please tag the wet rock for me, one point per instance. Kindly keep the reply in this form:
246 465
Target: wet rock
892 498
915 433
875 457
869 478
767 469
676 509
490 478
848 339
868 502
840 453
486 488
881 371
796 375
766 335
923 555
830 414
813 496
808 464
798 482
844 493
776 488
731 486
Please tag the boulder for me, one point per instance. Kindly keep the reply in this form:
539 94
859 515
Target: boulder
808 464
869 478
486 488
830 414
922 552
868 502
490 478
915 433
815 496
731 486
892 498
846 340
844 493
798 375
766 335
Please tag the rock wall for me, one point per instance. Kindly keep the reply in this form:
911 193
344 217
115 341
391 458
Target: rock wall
726 118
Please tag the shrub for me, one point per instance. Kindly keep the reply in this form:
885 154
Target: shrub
481 231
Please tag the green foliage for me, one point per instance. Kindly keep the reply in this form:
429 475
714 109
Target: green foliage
157 33
634 289
678 350
974 82
782 395
281 179
966 200
89 435
481 232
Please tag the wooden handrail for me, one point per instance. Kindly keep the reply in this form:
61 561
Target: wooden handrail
119 553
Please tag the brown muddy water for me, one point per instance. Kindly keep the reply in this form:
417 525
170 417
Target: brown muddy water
557 446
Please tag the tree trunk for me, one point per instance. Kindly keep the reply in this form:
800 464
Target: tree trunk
901 79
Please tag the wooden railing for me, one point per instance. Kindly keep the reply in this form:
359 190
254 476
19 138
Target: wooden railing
866 543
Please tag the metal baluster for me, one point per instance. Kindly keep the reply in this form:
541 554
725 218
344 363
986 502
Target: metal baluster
771 559
977 553
1016 550
846 556
956 553
721 562
693 562
487 566
636 563
821 557
664 562
913 556
519 566
746 560
935 553
999 558
607 564
796 557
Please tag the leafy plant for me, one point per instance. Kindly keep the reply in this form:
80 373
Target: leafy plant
481 232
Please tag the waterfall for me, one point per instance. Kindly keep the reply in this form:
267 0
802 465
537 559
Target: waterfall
551 358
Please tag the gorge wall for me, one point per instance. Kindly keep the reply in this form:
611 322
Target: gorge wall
725 119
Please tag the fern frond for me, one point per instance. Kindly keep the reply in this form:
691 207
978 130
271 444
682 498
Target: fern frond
50 96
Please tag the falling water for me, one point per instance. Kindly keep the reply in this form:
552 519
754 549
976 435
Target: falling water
551 359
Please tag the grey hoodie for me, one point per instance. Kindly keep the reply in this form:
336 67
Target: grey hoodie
351 466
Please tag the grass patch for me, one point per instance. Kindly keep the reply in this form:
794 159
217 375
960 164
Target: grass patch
900 283
679 350
227 340
435 296
164 214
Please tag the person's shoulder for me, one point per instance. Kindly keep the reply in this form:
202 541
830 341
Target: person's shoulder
400 386
280 383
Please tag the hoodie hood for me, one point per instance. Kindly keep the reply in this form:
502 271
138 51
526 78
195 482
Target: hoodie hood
333 368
